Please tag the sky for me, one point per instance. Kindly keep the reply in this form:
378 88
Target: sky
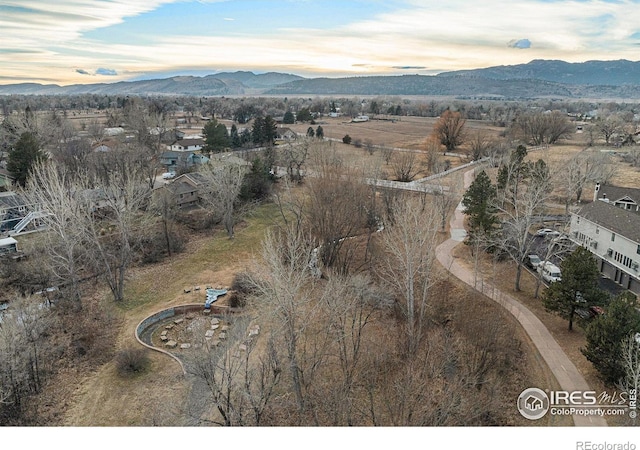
101 41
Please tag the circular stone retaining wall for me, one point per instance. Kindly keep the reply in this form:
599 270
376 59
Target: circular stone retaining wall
146 326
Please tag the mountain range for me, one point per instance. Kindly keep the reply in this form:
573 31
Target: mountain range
618 79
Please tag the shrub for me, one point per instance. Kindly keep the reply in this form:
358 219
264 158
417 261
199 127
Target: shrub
243 284
153 248
236 300
346 139
132 361
242 287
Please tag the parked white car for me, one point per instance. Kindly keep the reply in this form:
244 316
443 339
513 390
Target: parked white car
168 175
547 232
550 272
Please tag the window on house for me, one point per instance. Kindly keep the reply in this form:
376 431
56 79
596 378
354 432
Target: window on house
597 230
638 250
613 237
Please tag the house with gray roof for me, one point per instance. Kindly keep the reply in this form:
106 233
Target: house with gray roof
609 228
185 189
179 161
187 145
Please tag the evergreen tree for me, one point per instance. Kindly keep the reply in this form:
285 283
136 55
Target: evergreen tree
23 155
478 202
257 183
578 287
216 138
304 115
245 137
288 118
310 132
234 137
503 177
606 333
511 175
257 132
270 129
319 132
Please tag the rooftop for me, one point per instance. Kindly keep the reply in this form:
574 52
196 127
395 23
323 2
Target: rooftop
621 221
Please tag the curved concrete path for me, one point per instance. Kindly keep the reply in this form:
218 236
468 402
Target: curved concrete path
561 366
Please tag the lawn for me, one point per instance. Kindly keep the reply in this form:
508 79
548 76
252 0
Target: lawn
208 260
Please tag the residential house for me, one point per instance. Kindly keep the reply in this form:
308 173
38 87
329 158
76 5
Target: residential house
8 245
13 209
12 202
114 131
185 189
175 162
187 145
609 227
105 146
286 134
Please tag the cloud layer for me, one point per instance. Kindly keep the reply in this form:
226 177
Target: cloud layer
49 41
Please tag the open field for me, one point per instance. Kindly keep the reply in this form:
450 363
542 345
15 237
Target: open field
402 131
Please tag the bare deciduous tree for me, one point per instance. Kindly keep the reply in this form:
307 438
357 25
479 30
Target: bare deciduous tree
609 126
387 154
480 143
447 197
282 280
449 130
407 264
221 190
335 208
518 215
584 168
295 156
540 128
405 166
112 216
239 381
56 193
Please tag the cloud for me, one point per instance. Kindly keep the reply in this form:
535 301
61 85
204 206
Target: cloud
229 19
82 72
41 38
107 72
519 43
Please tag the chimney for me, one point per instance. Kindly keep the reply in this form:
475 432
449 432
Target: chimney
595 193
